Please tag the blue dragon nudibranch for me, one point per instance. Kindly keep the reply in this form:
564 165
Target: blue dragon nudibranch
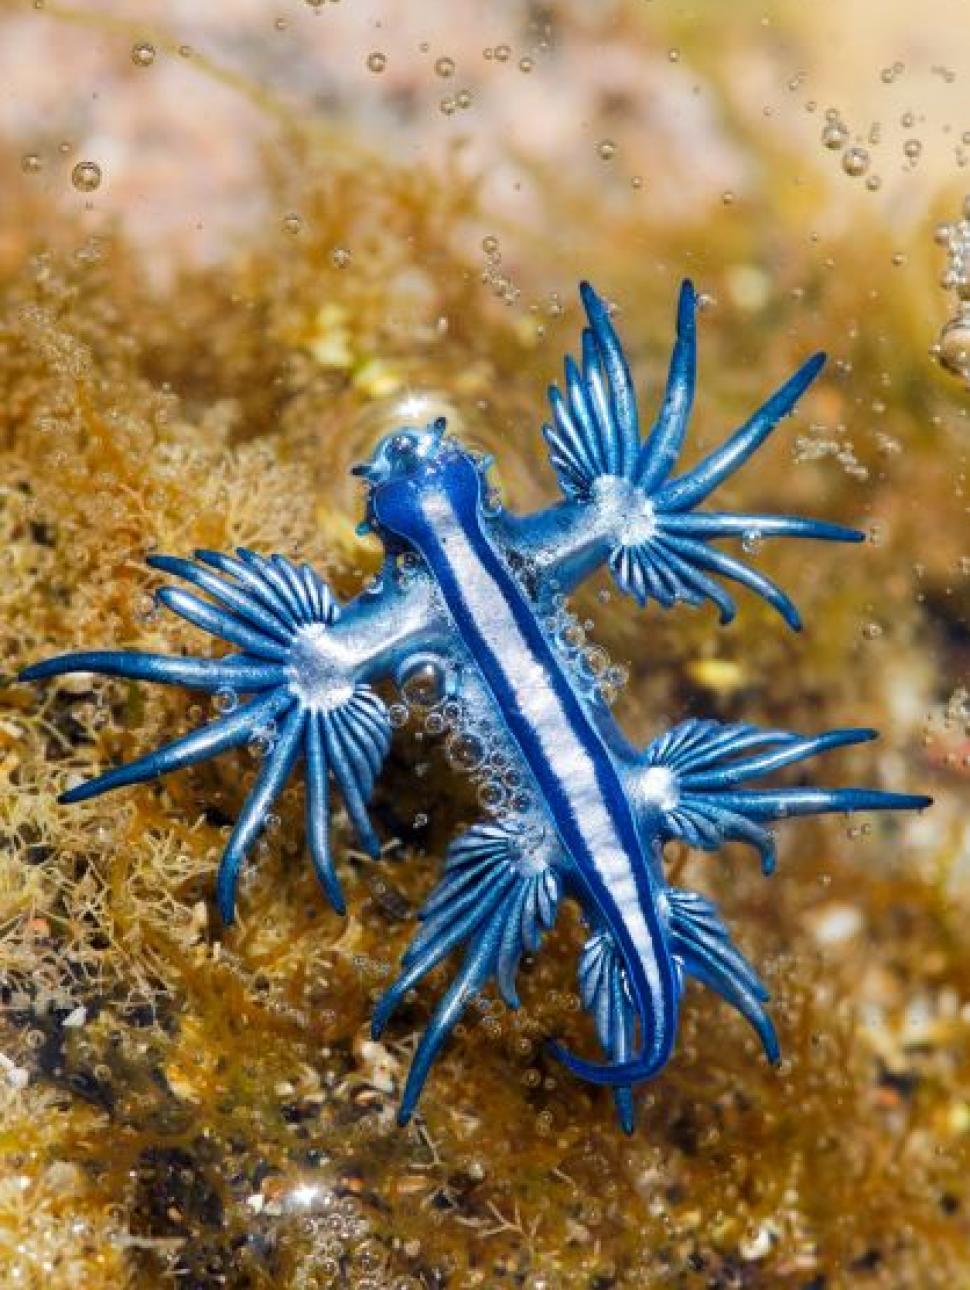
468 609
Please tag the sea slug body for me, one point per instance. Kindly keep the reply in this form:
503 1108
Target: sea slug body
469 606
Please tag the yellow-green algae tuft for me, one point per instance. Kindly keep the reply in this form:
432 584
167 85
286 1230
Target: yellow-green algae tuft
180 1101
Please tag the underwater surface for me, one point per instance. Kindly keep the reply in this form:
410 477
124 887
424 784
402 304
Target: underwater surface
239 244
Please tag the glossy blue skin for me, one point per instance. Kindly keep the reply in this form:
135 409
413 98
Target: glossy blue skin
467 595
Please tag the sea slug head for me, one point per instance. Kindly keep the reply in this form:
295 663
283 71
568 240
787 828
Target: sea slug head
406 453
409 464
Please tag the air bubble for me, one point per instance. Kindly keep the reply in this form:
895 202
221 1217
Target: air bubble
606 149
31 163
465 751
595 661
86 176
376 62
444 67
953 350
834 134
292 223
572 636
340 257
226 700
491 796
855 161
423 684
143 54
452 714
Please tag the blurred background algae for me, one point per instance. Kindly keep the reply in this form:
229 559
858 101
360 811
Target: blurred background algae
236 241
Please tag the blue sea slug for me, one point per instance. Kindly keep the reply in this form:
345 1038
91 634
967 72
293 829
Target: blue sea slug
469 608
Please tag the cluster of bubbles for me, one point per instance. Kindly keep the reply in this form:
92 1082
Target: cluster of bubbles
492 274
86 176
471 745
856 158
953 347
825 441
590 666
452 102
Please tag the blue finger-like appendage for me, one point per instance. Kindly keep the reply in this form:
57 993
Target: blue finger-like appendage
621 1050
318 595
702 943
710 558
291 577
691 576
710 743
318 813
618 1075
598 399
349 770
205 674
272 577
478 902
251 580
231 595
219 736
475 971
763 804
716 524
713 947
661 450
621 394
275 771
747 1004
641 576
510 948
529 912
415 966
567 449
603 991
368 735
791 751
457 880
689 489
738 828
221 623
581 418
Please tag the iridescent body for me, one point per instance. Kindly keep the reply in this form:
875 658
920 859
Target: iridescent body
468 608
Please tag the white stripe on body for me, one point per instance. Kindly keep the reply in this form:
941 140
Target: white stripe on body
484 601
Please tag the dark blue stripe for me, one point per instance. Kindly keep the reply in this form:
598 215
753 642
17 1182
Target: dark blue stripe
432 546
